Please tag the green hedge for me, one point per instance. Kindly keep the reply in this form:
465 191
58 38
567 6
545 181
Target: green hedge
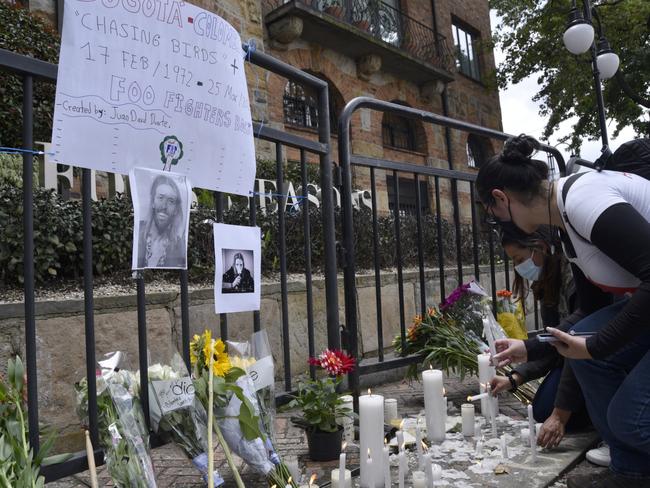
59 245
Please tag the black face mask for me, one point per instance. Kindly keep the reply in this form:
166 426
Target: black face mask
507 226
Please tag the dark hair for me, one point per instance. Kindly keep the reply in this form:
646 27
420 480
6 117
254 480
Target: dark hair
165 180
513 169
237 256
547 288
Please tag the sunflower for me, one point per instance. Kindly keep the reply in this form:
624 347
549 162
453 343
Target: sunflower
221 362
194 348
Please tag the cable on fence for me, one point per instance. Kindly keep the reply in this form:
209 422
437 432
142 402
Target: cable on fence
18 150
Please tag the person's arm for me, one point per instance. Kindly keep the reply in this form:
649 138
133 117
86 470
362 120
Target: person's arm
590 299
569 394
624 236
532 370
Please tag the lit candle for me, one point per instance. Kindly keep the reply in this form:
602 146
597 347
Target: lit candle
386 454
477 429
400 436
419 479
532 435
504 447
342 482
479 447
289 483
427 470
403 467
475 398
433 408
484 377
487 330
467 415
418 443
336 479
371 422
493 416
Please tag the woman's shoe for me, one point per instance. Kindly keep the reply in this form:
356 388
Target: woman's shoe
600 455
605 479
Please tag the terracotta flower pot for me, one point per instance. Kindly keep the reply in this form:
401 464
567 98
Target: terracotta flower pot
324 446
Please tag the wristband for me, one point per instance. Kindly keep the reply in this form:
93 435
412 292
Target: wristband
513 383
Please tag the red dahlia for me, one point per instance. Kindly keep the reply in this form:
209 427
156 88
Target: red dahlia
334 361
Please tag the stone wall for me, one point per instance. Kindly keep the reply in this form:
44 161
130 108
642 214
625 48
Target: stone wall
61 339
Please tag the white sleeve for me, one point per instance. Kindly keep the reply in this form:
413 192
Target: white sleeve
588 198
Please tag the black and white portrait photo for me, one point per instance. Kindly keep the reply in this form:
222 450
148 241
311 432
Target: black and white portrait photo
239 277
237 251
161 202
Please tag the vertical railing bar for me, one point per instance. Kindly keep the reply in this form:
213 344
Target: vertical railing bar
28 261
223 318
493 277
89 316
142 345
475 234
282 245
441 254
423 294
536 312
252 215
185 318
506 269
377 263
459 246
398 248
308 282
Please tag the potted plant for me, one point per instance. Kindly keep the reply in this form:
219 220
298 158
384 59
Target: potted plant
321 405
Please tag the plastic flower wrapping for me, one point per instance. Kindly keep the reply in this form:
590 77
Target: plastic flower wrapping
177 415
244 400
511 315
123 434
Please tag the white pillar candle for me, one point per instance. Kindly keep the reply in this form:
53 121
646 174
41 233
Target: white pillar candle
532 435
342 470
336 479
477 429
390 410
427 470
487 330
418 443
419 479
479 447
371 433
483 378
386 462
347 422
467 415
436 472
400 438
403 467
504 447
476 398
432 380
493 415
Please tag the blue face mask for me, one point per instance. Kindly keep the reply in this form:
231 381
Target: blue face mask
529 270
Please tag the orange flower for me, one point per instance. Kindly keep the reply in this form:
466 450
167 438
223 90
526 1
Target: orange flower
432 312
412 332
504 293
417 320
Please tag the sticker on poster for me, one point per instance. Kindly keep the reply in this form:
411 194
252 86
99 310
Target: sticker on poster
237 251
161 212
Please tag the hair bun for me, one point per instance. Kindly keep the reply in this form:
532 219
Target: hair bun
519 148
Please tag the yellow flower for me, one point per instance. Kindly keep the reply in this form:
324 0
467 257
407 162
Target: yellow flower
217 349
194 347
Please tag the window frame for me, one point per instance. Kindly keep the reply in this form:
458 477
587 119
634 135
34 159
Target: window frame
461 31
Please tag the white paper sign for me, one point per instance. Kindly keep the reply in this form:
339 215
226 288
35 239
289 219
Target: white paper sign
161 212
237 280
173 394
153 83
262 372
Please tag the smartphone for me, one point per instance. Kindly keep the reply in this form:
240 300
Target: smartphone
551 338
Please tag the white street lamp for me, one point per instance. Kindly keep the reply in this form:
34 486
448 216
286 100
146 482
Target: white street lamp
579 35
606 60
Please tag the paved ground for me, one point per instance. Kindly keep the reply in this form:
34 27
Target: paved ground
174 470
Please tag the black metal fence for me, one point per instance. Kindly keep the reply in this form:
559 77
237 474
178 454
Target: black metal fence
30 69
418 173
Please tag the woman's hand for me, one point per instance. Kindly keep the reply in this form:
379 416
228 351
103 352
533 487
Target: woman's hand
509 351
552 431
569 346
500 384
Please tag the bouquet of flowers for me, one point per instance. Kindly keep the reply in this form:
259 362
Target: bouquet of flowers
177 415
236 409
510 315
123 434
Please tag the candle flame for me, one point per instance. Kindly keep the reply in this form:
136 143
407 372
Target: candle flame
430 366
469 398
402 446
312 479
444 392
369 391
368 452
274 486
289 480
401 424
385 442
345 444
424 445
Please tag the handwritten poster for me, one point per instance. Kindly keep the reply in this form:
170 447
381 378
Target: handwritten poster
157 84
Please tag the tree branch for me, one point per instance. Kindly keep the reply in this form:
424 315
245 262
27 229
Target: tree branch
620 79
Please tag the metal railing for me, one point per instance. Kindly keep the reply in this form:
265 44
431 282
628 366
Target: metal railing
30 69
418 173
385 23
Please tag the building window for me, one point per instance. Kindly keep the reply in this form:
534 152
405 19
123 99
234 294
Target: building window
300 104
466 58
478 151
398 132
407 196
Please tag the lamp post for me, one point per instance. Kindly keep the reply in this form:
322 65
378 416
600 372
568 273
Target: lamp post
578 39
